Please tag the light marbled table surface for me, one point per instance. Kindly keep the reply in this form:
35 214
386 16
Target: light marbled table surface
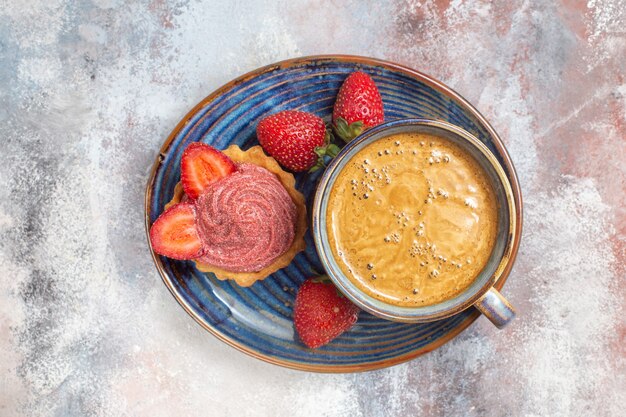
89 91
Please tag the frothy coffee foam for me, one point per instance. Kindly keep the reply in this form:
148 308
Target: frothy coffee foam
412 219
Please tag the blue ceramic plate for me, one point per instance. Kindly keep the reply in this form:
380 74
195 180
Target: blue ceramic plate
258 320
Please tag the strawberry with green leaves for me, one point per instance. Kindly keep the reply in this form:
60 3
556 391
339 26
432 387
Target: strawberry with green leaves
298 140
358 106
321 313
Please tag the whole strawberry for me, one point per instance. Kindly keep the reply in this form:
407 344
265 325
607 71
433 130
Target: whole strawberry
321 313
296 139
358 107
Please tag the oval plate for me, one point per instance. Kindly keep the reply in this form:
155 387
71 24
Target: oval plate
258 320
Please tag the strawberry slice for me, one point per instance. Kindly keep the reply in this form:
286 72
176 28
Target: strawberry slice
202 165
174 233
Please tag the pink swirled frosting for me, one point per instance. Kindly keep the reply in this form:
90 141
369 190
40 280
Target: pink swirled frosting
245 220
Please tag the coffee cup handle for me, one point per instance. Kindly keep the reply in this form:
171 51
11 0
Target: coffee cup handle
496 308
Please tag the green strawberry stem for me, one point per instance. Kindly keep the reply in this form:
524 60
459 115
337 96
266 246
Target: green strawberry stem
321 278
324 279
328 150
346 131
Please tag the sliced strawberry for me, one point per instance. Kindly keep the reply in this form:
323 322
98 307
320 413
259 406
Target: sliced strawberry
321 313
174 233
202 165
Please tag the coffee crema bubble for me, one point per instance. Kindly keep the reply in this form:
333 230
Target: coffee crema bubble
415 226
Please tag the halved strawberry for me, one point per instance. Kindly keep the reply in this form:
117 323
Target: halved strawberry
174 233
201 165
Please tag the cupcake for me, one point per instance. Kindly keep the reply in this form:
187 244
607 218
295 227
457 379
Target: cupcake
235 213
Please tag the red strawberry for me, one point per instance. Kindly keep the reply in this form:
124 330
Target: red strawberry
296 139
321 313
174 233
201 165
358 106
